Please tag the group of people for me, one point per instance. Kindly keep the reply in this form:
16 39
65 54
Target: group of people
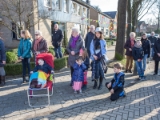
84 54
140 51
92 53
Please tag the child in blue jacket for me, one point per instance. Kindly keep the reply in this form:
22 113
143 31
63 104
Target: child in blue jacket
78 75
116 86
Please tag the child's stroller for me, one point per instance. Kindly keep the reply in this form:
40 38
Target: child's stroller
31 92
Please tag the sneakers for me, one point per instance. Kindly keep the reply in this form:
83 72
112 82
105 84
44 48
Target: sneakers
80 92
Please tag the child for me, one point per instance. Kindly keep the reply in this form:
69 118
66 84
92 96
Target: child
138 54
116 86
85 57
78 75
40 75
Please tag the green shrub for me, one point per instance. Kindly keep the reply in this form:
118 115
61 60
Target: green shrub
16 69
11 57
63 50
51 50
13 50
60 63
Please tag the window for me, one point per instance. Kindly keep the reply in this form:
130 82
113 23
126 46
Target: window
16 30
79 10
84 12
47 3
65 6
74 9
57 4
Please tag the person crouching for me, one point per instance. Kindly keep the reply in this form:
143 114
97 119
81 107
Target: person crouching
116 86
78 75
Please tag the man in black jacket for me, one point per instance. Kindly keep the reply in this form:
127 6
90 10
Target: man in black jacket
89 37
146 45
153 39
57 38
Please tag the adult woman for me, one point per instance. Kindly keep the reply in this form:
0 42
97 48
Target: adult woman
156 55
39 44
128 46
146 45
73 48
24 52
2 62
98 51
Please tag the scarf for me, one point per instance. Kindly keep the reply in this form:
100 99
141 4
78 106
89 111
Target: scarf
132 43
36 43
74 41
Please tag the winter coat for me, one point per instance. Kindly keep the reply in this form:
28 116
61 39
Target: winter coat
157 50
118 81
88 40
2 53
127 46
42 47
152 40
79 45
24 48
146 45
137 52
103 49
78 74
45 68
57 37
86 62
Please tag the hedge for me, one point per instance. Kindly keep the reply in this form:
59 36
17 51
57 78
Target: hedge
11 57
16 69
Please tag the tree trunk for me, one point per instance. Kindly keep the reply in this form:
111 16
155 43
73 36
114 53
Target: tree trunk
121 25
129 19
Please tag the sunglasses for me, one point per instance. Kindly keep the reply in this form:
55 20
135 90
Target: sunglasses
36 34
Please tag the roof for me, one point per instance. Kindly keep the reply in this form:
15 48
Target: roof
140 22
112 14
90 6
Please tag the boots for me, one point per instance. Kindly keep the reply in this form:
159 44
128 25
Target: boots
3 80
100 83
95 85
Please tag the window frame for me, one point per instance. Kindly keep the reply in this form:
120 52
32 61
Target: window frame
67 6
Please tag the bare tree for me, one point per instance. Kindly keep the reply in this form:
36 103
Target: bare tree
21 13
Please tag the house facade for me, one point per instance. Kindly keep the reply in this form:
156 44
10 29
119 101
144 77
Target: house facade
141 28
113 22
67 13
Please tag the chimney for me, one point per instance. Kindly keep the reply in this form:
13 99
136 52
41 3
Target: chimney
88 2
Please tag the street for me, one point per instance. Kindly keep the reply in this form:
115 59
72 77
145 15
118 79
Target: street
141 103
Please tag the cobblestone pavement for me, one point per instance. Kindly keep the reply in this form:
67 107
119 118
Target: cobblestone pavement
141 103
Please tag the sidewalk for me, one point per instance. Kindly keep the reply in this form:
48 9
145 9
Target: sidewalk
142 101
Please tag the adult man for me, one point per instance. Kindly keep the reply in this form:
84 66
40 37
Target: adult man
89 38
57 37
153 39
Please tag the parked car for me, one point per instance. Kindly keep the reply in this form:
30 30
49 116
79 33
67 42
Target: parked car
156 35
148 35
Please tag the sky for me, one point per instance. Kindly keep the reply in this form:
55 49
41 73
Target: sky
111 5
105 5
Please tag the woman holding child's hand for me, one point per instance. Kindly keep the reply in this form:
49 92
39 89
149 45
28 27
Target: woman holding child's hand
73 48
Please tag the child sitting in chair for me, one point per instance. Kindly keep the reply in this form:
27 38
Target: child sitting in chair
116 86
40 74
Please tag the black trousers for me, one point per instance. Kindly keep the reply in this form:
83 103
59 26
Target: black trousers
156 67
114 96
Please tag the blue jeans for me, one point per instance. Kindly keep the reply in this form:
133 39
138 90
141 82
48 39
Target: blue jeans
139 68
152 52
145 61
58 52
26 64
